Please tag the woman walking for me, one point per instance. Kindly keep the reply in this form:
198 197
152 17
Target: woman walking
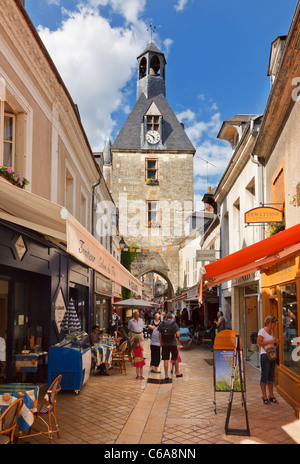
266 340
155 344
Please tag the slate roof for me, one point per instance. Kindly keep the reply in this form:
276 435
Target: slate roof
174 137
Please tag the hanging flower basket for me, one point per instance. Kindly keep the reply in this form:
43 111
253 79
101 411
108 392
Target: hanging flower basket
13 177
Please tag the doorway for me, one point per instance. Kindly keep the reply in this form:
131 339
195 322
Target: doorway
102 311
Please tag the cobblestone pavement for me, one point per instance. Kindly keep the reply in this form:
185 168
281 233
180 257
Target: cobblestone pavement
119 409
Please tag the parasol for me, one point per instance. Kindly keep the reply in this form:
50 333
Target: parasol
134 303
70 322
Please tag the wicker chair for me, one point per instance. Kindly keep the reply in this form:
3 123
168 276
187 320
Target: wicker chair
47 411
118 357
128 354
8 422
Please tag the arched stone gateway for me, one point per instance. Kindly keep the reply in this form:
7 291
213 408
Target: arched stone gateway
164 264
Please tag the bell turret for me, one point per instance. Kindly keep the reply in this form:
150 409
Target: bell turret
151 72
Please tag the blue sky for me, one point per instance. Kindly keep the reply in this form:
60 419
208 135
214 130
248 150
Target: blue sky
217 55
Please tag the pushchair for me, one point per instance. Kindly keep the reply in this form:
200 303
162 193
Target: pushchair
184 338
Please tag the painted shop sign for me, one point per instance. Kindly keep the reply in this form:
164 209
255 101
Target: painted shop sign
83 246
263 214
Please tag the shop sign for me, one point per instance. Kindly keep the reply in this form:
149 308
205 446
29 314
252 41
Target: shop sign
59 309
244 279
20 247
205 255
223 361
283 272
263 214
83 246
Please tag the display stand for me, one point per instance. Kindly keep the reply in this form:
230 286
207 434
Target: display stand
229 373
237 364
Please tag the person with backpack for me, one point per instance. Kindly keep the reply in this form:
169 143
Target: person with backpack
168 331
114 323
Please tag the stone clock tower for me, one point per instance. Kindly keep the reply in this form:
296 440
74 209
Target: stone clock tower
151 175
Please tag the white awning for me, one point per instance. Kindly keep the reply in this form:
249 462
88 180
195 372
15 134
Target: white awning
55 222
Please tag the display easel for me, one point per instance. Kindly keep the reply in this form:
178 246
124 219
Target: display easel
237 364
229 373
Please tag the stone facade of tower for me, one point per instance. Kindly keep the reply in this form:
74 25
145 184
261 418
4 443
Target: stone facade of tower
152 174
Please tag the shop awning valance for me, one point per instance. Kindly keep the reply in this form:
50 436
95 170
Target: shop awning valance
55 223
176 298
253 258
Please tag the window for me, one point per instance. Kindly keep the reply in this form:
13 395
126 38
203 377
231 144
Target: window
289 326
151 170
7 137
152 214
153 123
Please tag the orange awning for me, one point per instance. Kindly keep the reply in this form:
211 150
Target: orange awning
253 258
179 297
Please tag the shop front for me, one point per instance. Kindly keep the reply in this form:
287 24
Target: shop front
29 270
277 260
246 290
281 297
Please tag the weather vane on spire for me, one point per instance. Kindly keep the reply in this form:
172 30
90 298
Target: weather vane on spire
152 29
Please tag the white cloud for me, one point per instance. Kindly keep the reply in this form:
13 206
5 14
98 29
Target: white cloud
181 5
97 60
130 9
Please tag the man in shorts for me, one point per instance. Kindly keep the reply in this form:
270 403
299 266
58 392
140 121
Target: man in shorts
168 331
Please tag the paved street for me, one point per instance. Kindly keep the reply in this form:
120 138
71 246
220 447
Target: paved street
122 410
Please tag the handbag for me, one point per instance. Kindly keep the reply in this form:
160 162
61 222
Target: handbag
271 353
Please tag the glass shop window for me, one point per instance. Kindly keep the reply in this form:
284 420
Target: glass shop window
289 326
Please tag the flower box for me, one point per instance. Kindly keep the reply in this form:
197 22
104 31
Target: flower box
153 224
152 181
13 177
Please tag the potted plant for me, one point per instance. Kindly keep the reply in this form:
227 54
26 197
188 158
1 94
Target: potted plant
153 224
13 177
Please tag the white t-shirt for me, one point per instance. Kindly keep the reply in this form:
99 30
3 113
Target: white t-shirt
266 338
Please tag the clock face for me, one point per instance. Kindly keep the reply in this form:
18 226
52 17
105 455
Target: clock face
152 136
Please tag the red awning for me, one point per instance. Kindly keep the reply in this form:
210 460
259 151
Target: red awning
253 258
179 297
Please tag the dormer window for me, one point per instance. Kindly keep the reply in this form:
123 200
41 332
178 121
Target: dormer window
153 123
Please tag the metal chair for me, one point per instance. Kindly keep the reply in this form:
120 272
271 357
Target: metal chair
8 422
47 411
118 357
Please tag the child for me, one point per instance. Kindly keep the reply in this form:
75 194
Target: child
138 357
178 358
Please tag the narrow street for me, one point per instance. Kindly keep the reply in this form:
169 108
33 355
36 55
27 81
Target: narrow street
120 410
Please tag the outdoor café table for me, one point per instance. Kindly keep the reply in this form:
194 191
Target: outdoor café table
30 362
102 354
10 392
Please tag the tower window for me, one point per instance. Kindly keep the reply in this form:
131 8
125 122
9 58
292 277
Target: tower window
143 68
151 169
152 213
154 66
153 123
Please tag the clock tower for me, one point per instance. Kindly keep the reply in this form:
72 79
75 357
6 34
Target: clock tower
152 174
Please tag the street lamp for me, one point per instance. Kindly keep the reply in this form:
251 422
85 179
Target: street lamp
122 243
